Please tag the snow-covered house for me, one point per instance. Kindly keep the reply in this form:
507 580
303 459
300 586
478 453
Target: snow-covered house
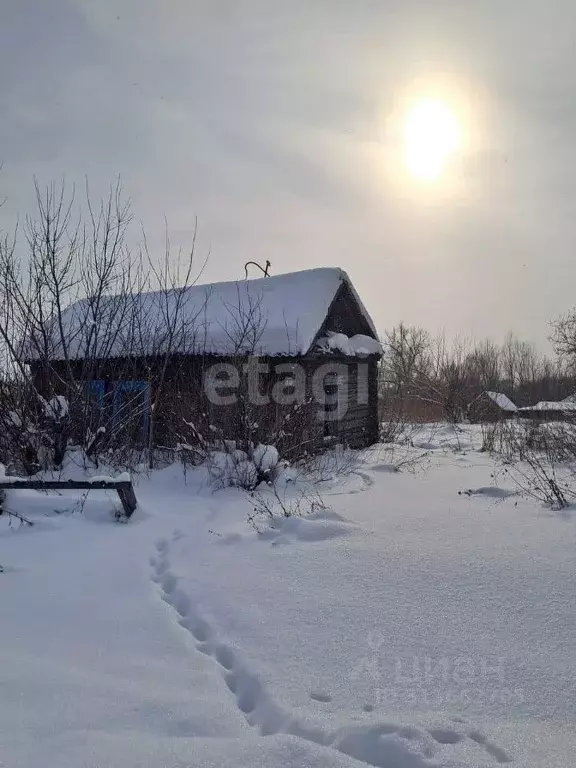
292 356
550 410
490 407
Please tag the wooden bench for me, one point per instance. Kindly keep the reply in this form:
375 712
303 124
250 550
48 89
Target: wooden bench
124 487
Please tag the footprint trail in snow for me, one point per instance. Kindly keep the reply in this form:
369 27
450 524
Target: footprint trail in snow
377 744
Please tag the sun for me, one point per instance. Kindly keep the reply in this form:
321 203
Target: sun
431 134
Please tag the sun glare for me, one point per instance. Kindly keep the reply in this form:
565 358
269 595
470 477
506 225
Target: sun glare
431 134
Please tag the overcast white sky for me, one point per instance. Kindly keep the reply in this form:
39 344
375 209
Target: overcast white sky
274 123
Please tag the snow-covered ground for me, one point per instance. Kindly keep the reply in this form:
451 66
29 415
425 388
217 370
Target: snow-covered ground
408 626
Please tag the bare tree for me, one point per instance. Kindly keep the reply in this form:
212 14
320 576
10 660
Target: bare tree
73 313
172 322
564 338
406 350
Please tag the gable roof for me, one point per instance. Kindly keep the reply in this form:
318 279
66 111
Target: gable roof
502 401
278 315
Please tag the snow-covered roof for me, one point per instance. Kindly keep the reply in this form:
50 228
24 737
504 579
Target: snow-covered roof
278 315
551 405
502 401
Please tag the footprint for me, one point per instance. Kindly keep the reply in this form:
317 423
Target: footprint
177 534
161 545
225 657
231 682
205 648
324 698
181 603
247 701
495 751
445 735
197 628
368 708
161 566
200 631
169 582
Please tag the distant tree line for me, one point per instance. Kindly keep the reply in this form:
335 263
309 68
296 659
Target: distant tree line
423 377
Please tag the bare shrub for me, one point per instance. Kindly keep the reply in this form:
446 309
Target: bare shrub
503 438
390 430
539 478
539 457
276 502
395 422
334 464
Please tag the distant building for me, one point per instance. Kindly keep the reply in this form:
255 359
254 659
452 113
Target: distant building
491 406
550 410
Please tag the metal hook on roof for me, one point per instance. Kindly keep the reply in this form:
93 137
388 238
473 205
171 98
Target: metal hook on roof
265 271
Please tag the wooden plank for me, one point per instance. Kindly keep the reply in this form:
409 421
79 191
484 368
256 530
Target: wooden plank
21 482
128 500
124 487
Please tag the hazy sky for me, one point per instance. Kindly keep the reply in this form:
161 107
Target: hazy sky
276 124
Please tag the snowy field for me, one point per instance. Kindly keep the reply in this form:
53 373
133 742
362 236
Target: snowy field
407 626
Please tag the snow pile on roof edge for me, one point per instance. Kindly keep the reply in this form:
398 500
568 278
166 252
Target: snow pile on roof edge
359 345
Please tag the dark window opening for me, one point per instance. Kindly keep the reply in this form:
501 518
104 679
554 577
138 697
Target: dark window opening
331 402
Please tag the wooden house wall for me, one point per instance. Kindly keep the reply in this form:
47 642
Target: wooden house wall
183 399
484 409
